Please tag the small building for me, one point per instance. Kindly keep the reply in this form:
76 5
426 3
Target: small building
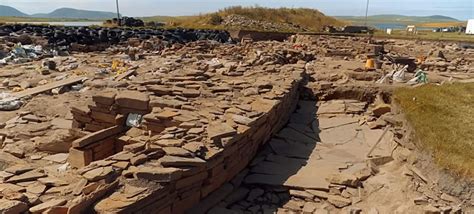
470 27
411 29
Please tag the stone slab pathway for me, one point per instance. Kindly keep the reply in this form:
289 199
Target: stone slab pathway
316 144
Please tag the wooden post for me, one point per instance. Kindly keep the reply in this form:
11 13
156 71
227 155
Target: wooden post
118 13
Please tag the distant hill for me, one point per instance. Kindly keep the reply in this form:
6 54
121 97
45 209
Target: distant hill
10 11
66 13
391 18
71 13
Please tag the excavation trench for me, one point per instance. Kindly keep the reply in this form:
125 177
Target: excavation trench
314 151
293 170
341 154
313 155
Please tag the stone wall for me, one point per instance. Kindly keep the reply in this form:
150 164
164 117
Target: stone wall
184 189
173 160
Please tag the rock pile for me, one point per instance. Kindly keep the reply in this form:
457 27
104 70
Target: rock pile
127 21
241 22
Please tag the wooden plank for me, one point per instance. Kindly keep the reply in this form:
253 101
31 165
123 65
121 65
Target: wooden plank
47 87
378 141
125 75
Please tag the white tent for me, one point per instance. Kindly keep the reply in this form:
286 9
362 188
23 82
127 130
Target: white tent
470 27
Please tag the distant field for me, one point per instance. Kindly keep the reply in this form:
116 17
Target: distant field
442 24
163 19
398 21
427 35
442 117
31 19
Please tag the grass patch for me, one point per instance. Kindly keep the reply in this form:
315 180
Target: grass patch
310 19
443 24
443 119
427 35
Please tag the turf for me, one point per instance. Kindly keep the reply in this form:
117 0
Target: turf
310 19
443 119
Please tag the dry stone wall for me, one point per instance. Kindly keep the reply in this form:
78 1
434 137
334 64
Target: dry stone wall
173 174
186 180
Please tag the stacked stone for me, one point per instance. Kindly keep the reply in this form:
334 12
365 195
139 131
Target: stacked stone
24 189
101 115
159 120
81 117
95 146
132 102
188 175
108 115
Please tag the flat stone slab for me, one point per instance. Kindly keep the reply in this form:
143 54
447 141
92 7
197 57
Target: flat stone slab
334 122
27 176
218 130
46 205
298 164
293 135
332 107
272 168
159 174
301 118
282 180
175 161
57 158
307 107
297 150
341 107
9 206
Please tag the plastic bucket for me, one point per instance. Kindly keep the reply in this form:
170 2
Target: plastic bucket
370 64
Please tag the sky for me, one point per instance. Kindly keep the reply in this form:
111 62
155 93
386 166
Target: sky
460 9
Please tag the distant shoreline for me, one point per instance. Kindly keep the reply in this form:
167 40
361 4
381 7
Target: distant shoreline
70 23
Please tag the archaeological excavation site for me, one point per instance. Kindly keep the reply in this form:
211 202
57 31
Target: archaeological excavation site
195 121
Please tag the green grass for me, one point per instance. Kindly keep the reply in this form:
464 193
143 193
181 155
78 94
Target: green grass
163 19
443 119
427 35
306 18
419 21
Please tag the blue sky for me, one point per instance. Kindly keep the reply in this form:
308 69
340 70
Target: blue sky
460 9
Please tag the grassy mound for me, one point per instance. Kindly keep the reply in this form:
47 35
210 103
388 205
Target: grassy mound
289 19
443 119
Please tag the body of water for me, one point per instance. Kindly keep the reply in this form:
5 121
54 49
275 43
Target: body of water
395 26
63 23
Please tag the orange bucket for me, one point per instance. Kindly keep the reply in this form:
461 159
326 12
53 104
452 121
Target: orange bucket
370 64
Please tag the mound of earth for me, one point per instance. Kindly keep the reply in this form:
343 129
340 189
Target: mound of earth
242 22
